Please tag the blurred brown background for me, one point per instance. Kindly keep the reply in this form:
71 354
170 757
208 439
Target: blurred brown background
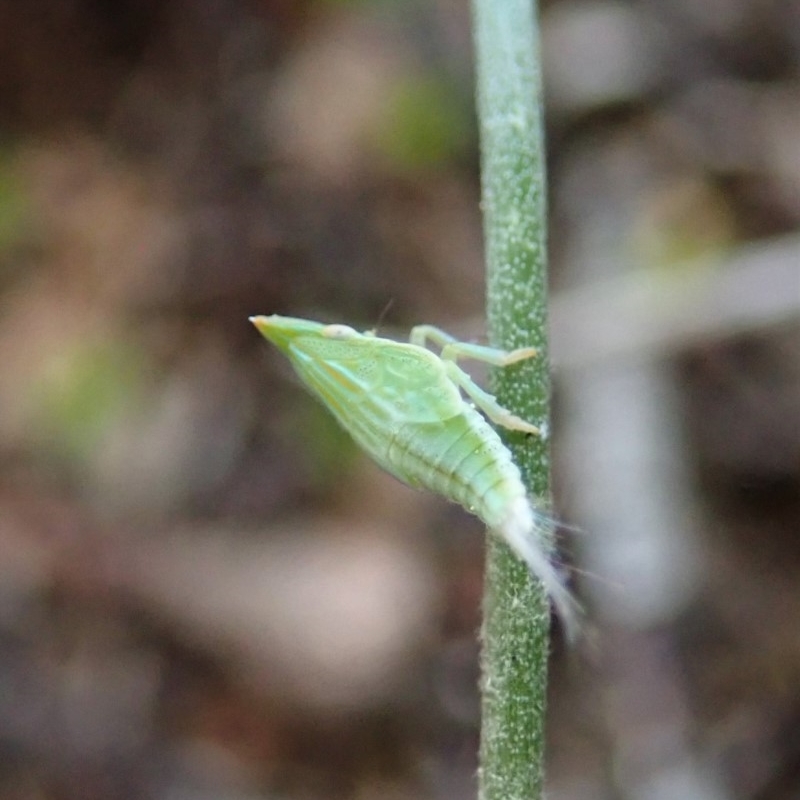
205 591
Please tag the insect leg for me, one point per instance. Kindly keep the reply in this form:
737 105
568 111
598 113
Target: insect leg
487 402
453 350
489 355
420 334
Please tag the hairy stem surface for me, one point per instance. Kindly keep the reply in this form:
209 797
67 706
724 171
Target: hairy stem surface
516 622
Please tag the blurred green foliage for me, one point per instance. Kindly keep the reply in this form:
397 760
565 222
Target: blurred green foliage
13 202
328 452
425 124
83 392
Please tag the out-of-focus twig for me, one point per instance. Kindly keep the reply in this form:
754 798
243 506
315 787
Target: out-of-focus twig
651 313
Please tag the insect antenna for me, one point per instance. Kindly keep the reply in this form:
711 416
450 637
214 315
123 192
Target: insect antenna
382 315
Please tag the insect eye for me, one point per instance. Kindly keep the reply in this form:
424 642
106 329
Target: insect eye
338 332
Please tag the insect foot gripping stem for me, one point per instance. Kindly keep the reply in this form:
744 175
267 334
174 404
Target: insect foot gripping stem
523 535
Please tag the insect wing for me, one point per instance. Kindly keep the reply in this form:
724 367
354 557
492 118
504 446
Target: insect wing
377 381
412 381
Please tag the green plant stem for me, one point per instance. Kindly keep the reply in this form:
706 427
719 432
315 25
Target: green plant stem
516 622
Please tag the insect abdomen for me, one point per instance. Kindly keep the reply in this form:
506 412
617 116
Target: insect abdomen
462 459
465 460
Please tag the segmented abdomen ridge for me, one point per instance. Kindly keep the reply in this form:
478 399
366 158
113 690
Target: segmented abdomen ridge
463 459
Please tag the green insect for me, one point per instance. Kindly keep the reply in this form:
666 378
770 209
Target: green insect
403 405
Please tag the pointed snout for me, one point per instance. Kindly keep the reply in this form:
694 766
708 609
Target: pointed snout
281 331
